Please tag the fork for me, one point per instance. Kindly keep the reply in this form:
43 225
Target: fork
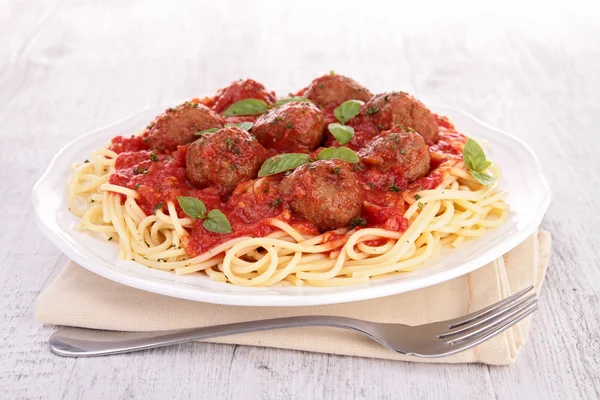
435 339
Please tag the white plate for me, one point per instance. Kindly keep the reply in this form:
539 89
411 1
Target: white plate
529 198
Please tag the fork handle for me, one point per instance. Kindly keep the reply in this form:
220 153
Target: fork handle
77 342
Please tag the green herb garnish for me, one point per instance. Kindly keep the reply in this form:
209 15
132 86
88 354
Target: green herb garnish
209 130
281 102
193 207
214 221
217 222
342 133
282 163
347 110
482 178
246 107
246 126
477 163
140 171
343 153
358 222
372 110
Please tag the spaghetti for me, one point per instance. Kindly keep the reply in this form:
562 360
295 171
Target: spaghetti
452 200
458 209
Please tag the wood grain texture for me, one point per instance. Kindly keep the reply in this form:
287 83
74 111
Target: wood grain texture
68 67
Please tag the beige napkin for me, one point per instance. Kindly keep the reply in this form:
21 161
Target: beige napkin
81 298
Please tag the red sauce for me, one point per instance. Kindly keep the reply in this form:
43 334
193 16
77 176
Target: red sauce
160 177
384 216
334 240
444 122
240 118
159 181
448 144
202 240
376 242
121 144
428 182
239 90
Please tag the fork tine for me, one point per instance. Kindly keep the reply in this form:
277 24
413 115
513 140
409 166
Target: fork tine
490 317
490 333
457 322
499 319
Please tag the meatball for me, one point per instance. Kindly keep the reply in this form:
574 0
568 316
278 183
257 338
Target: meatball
325 193
398 108
294 126
224 158
178 125
333 90
240 90
402 152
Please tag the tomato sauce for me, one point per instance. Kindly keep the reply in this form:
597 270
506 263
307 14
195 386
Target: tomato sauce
121 144
200 240
364 129
334 240
160 177
239 90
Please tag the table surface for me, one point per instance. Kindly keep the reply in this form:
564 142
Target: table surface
68 67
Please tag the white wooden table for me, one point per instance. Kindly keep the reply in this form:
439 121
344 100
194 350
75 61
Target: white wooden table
68 67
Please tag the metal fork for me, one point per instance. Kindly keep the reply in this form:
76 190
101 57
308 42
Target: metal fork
436 339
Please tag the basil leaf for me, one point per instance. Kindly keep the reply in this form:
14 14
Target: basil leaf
216 222
193 207
484 166
343 153
342 133
474 156
281 102
242 125
209 130
283 162
246 107
348 110
358 222
372 110
482 178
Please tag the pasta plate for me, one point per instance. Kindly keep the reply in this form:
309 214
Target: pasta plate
528 198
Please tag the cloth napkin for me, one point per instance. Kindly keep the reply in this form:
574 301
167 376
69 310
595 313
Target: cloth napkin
83 299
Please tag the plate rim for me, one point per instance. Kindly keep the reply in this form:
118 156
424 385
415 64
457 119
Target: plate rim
357 293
